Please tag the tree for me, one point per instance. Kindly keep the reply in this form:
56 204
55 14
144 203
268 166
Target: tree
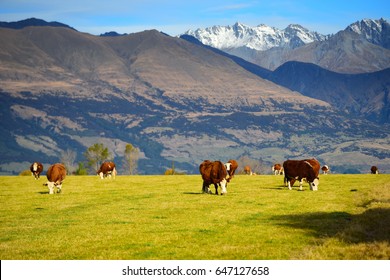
96 154
68 158
130 161
81 170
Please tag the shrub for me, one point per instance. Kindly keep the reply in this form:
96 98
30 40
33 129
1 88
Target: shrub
25 173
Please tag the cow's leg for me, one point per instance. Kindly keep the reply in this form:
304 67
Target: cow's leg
300 184
206 188
59 187
216 188
101 175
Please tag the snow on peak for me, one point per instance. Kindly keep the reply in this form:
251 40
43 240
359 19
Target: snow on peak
260 37
371 30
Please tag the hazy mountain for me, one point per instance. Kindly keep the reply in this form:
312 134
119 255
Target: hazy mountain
364 95
177 101
32 22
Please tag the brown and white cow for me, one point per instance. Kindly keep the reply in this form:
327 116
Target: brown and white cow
277 169
36 169
55 175
374 170
107 168
247 170
307 169
325 169
213 172
231 167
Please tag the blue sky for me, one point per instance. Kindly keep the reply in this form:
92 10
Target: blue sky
176 17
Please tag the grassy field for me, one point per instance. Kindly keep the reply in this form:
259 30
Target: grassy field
167 217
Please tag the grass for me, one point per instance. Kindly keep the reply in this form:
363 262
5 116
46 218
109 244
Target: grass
167 217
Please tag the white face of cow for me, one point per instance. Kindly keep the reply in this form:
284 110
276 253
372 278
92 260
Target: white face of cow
53 185
35 167
227 165
223 186
314 184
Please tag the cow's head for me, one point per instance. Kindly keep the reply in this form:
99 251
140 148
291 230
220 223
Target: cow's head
223 186
314 184
53 185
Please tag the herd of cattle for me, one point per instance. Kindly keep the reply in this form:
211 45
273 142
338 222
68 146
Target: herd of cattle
213 172
57 172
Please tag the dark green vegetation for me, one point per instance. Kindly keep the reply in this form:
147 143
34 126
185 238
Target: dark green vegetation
166 217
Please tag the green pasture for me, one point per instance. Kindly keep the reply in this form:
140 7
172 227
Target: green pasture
167 217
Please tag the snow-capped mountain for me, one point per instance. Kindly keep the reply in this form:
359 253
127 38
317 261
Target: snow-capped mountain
260 38
374 31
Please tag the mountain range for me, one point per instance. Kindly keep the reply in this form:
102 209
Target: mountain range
362 47
179 101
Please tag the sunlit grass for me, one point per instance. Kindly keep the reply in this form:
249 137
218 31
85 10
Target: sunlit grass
167 217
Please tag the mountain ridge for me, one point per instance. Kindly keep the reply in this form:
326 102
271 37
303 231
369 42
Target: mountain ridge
365 41
32 22
260 38
175 100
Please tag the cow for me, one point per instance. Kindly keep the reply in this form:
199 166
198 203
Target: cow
231 167
247 170
213 172
55 175
277 169
36 169
107 168
374 170
307 169
325 169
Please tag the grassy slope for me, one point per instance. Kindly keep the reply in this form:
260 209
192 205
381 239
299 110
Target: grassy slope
166 217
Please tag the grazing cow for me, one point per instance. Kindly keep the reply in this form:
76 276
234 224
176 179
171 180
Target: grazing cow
247 170
56 175
325 169
213 172
374 170
107 168
36 169
307 169
231 167
277 169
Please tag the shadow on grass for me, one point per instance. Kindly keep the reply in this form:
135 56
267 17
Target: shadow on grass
193 193
275 188
370 226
